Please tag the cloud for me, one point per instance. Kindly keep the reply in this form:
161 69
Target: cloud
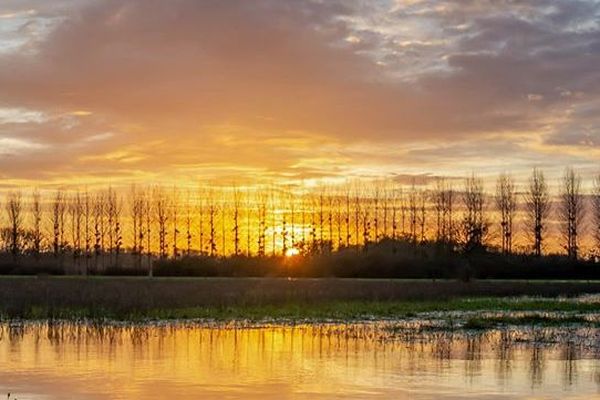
292 87
11 146
19 116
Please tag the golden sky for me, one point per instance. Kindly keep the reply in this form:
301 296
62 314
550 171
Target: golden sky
113 91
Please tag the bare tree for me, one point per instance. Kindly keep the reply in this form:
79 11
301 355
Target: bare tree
272 210
448 215
188 225
175 215
403 211
537 201
58 224
236 220
14 210
36 211
423 214
118 229
303 216
571 211
506 201
357 212
135 212
347 218
212 232
292 203
110 209
386 210
248 224
201 213
475 225
330 242
148 211
443 199
438 207
262 224
99 228
321 216
161 210
376 210
113 216
284 223
339 221
138 208
87 210
413 209
366 223
596 213
76 215
224 209
438 196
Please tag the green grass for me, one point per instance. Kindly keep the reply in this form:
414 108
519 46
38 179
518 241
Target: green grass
536 320
330 310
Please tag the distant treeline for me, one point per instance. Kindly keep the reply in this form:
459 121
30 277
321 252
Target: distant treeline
145 230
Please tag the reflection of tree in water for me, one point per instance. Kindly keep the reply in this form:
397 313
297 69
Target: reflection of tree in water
596 374
504 355
570 355
536 365
442 345
14 334
473 355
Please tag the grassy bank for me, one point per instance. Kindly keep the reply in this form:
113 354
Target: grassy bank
333 310
138 295
280 299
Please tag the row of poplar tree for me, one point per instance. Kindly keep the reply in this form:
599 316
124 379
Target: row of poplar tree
162 223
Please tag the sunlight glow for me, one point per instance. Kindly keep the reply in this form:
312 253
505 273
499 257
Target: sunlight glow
291 252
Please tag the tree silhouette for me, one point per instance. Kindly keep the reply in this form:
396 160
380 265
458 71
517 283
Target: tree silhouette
537 202
571 211
475 225
506 202
14 210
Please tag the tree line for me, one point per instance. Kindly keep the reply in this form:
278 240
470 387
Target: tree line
94 230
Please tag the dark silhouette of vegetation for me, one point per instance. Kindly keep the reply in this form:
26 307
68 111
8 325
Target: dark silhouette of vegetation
366 229
596 214
14 209
475 224
537 200
31 297
571 211
506 202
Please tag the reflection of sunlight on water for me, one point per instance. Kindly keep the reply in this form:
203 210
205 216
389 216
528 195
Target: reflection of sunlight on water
351 361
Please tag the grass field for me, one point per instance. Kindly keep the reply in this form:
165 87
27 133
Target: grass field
255 298
516 311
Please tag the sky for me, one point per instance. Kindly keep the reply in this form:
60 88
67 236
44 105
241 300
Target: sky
115 91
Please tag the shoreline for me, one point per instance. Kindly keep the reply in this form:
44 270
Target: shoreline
480 311
232 299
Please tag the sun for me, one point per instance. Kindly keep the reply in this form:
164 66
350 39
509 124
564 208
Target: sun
291 252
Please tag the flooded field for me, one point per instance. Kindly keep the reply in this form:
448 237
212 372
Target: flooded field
400 360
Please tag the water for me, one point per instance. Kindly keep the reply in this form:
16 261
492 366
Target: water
361 361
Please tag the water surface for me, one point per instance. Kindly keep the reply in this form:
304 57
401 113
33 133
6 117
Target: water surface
361 361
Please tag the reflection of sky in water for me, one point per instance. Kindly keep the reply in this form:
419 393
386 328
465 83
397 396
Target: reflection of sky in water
285 362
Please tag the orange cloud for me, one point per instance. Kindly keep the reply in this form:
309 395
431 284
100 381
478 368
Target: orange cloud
300 89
